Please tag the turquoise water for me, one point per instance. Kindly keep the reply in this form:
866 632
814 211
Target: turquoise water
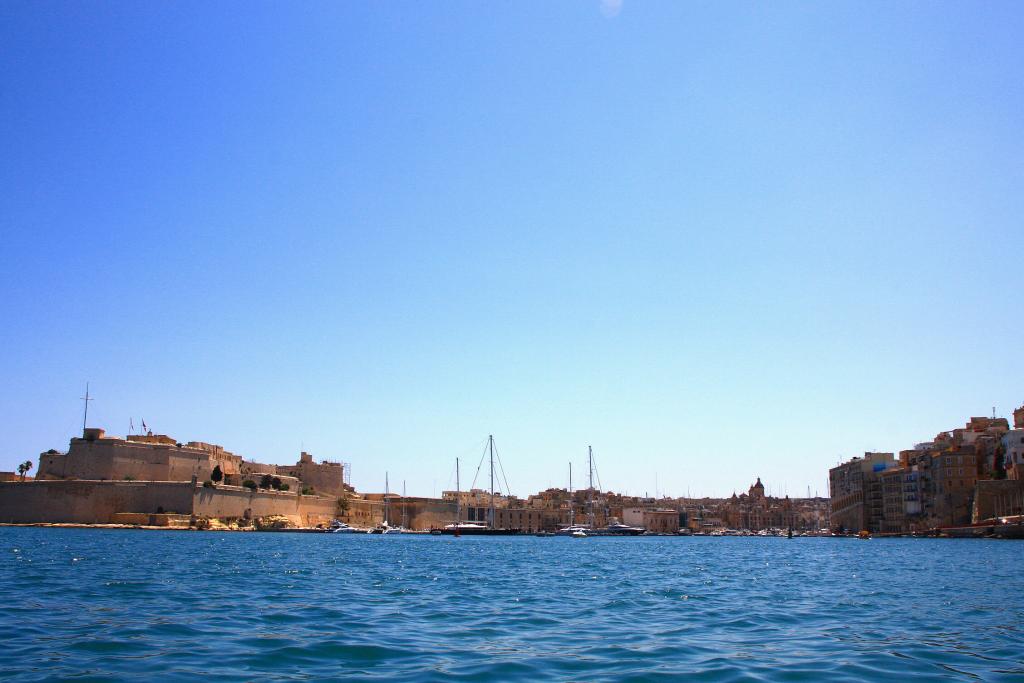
96 604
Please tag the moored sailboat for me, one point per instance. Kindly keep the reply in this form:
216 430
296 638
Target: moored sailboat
461 528
385 526
614 528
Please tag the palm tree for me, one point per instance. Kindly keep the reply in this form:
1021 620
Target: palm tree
23 468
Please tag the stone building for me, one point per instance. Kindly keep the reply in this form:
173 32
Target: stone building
855 490
755 511
661 521
1013 454
1013 447
476 498
327 477
983 436
954 474
96 456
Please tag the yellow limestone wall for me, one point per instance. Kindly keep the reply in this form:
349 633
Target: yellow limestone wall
95 502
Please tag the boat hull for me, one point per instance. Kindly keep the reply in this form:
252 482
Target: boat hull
481 532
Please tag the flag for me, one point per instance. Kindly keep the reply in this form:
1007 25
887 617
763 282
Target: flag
144 427
131 425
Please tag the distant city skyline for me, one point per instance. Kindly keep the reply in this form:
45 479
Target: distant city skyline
714 242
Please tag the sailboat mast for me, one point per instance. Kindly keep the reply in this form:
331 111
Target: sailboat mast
386 496
571 512
458 494
490 445
590 499
404 516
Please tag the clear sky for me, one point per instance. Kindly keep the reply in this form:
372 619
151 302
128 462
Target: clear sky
714 240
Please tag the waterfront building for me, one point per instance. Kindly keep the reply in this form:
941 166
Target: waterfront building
1013 454
526 520
661 521
855 490
950 481
654 520
954 475
476 498
1012 446
893 512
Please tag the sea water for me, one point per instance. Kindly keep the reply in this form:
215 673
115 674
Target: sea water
138 605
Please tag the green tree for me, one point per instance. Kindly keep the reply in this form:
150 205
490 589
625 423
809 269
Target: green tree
23 468
216 475
275 483
249 484
342 505
1000 462
266 481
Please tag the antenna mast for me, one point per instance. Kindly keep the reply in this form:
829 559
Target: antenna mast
85 416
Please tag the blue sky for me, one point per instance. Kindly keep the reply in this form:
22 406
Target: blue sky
714 240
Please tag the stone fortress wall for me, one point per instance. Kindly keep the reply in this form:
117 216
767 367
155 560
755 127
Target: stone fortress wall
237 502
97 502
89 502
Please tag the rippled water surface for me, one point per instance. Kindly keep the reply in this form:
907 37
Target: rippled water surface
105 604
